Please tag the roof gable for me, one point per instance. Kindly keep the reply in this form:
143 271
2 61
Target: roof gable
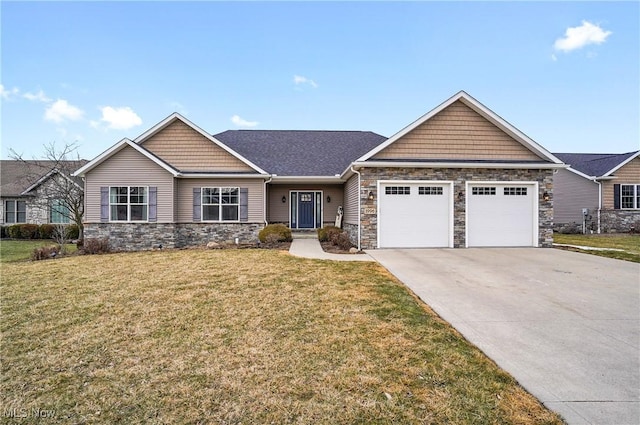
461 128
597 164
301 152
104 156
188 148
19 177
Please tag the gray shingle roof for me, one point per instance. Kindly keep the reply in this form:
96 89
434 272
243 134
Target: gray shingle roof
17 176
301 152
594 164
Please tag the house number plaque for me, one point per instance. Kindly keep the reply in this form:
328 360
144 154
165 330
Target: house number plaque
369 210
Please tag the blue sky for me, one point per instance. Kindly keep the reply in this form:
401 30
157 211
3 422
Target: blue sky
565 73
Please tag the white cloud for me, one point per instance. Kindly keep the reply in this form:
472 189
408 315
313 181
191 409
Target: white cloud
242 122
579 37
40 97
61 110
121 118
299 79
8 94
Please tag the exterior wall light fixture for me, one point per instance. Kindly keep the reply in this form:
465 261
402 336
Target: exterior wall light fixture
284 199
371 196
545 196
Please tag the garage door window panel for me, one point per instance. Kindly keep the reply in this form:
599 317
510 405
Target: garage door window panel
483 191
397 190
515 191
428 190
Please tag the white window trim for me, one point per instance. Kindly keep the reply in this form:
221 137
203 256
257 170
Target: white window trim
636 189
220 204
51 211
536 205
418 183
15 211
146 188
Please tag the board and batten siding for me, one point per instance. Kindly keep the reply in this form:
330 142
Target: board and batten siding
255 195
351 194
457 132
187 150
572 193
279 211
129 168
628 174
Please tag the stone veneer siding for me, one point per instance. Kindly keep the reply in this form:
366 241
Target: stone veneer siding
370 176
352 231
612 221
145 236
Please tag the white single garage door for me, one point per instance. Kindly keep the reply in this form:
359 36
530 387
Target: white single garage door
415 215
501 214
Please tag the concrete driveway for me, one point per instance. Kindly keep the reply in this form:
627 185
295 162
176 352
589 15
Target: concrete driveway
565 325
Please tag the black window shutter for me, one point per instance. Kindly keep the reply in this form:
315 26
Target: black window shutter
153 204
104 204
616 196
244 204
197 211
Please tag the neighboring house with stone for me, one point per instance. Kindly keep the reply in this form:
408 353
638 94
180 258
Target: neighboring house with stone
28 191
598 191
459 176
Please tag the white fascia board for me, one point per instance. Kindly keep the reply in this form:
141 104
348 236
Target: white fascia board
479 108
517 165
307 179
46 177
176 116
581 174
622 164
223 176
117 148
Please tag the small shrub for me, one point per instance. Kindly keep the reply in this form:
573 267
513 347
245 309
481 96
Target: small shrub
80 243
341 240
282 233
96 246
46 231
73 232
24 231
45 252
326 233
3 232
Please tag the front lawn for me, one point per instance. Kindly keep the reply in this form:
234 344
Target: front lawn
17 250
238 336
628 243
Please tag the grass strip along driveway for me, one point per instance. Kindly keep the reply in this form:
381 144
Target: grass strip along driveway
622 246
238 336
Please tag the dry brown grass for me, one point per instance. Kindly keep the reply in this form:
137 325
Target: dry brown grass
238 336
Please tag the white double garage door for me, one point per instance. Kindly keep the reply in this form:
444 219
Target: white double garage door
420 214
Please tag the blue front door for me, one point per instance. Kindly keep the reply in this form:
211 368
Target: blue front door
305 210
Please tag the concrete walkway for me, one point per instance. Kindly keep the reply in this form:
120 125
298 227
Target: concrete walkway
566 325
306 245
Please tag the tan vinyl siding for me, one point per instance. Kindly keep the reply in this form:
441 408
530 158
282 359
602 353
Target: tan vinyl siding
187 150
255 188
629 174
457 132
279 211
129 168
351 194
572 193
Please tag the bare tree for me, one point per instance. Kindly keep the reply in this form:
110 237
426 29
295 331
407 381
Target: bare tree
52 178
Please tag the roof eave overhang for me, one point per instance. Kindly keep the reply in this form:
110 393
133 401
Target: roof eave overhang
604 178
222 176
453 164
307 179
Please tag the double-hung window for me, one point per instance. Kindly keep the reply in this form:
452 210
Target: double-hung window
630 196
15 211
128 203
58 212
220 203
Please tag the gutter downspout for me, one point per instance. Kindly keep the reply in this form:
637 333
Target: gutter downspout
359 206
599 200
266 200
